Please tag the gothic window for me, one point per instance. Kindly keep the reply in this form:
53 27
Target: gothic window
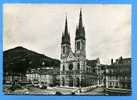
70 66
63 49
82 46
63 68
78 66
78 45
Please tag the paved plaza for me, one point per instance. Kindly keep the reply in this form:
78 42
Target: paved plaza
56 91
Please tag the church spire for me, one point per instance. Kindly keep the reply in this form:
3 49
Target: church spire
65 35
80 30
80 19
66 26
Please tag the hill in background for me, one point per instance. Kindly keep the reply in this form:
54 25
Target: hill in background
20 59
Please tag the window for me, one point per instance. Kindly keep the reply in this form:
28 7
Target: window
63 49
87 69
78 45
94 70
63 81
77 82
70 81
70 66
110 84
78 66
63 68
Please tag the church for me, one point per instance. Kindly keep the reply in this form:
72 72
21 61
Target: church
75 69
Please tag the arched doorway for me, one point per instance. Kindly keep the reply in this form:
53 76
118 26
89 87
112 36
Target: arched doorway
70 81
63 81
77 82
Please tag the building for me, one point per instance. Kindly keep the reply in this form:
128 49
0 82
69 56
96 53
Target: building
92 71
11 78
44 75
75 70
118 75
101 75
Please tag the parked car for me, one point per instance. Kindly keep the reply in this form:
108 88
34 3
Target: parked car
35 83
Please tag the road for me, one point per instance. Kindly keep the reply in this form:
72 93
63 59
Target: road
96 91
65 91
52 91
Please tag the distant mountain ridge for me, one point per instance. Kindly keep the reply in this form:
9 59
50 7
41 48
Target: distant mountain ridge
20 59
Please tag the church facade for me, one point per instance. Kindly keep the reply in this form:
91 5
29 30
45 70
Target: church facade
74 70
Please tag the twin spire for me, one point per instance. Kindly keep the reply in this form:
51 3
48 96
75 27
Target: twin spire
66 27
80 32
65 35
80 19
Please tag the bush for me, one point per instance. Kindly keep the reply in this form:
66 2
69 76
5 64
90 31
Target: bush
58 93
14 87
73 93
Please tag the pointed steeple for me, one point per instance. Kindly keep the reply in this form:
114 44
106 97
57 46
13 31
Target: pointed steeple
65 35
80 30
80 19
66 26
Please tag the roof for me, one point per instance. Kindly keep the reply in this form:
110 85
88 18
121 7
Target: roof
91 62
123 61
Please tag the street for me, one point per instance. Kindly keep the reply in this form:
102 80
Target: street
96 91
99 91
55 91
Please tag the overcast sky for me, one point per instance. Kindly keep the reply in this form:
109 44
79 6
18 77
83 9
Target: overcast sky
39 27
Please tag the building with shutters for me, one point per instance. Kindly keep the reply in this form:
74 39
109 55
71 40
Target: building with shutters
118 75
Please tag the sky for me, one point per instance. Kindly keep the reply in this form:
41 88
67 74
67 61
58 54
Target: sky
39 27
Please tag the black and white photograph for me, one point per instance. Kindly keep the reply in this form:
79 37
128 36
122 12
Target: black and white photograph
67 49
